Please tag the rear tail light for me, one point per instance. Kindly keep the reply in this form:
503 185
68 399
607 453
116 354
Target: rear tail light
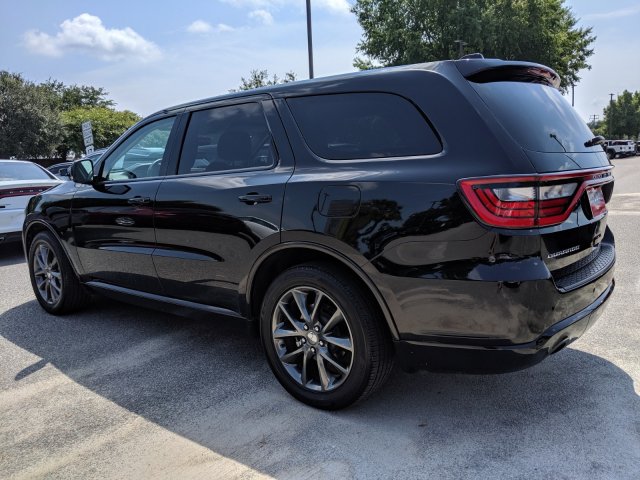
529 201
23 191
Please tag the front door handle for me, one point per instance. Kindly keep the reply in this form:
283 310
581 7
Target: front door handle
254 198
139 200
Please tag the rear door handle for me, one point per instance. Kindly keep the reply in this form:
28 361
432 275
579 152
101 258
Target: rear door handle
254 198
139 201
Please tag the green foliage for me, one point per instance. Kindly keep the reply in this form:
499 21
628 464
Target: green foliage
44 120
260 78
107 125
400 32
622 116
75 96
29 123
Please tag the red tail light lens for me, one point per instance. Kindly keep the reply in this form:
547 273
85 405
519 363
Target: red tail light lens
529 201
23 191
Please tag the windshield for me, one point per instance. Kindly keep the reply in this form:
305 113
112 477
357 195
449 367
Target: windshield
22 171
537 116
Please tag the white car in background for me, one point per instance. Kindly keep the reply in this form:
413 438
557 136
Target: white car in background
19 181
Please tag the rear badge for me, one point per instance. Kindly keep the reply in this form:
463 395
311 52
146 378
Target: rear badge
564 252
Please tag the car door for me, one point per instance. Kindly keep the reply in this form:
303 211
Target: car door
223 206
113 218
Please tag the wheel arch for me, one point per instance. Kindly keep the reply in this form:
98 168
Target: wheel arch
37 226
286 255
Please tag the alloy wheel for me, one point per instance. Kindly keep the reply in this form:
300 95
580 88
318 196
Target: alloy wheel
47 274
312 339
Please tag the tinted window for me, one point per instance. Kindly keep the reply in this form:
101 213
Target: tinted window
141 154
227 138
537 116
363 125
22 171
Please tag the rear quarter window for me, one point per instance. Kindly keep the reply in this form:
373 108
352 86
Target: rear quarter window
353 126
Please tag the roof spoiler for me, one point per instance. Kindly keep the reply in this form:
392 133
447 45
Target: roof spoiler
492 70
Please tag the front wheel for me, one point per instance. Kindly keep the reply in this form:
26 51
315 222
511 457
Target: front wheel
324 340
54 282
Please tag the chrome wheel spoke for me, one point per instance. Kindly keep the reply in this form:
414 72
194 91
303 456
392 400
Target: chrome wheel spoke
327 356
41 257
284 333
336 318
322 371
304 375
294 323
287 357
301 301
344 343
316 304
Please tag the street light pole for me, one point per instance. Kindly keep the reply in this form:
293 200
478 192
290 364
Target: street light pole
610 105
309 39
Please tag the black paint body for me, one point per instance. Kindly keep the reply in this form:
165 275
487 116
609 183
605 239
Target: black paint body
455 294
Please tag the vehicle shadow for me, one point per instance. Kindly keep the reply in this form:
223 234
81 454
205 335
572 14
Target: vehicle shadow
208 381
11 254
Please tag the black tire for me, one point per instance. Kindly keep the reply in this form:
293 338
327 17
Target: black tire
371 356
72 294
611 154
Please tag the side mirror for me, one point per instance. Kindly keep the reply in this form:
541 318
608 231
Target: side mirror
82 172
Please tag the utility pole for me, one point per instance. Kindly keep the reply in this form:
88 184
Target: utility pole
610 105
461 45
309 39
573 96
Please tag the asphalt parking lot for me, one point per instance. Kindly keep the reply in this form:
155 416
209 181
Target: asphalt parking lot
120 392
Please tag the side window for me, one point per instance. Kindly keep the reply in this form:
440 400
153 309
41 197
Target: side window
351 126
227 138
140 155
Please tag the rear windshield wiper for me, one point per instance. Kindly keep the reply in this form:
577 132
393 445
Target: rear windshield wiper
598 140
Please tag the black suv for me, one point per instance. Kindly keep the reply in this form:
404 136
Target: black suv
450 215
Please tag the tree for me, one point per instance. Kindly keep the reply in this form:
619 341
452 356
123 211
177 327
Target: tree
29 121
107 125
622 116
398 32
74 96
260 78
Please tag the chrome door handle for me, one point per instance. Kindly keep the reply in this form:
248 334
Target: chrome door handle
139 201
254 198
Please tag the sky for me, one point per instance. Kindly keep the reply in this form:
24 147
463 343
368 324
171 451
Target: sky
151 55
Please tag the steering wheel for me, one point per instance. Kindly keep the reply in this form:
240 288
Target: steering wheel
154 168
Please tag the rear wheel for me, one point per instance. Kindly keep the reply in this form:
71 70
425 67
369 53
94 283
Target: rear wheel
53 280
323 338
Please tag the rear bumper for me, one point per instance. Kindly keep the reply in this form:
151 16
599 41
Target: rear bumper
487 358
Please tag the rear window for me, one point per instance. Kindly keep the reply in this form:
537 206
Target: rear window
22 171
537 116
355 126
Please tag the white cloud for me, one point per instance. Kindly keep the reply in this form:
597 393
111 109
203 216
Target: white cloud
334 6
86 33
622 12
262 16
203 28
199 26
